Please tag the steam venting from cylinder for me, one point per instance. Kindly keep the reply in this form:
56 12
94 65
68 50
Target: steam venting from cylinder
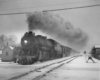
59 30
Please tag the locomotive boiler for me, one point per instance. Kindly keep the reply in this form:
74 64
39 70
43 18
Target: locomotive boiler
39 48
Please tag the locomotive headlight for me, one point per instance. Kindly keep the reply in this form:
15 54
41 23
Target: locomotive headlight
25 41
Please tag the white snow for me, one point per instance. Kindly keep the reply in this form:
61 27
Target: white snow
10 69
76 70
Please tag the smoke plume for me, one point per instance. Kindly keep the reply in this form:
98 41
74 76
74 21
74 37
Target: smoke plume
59 30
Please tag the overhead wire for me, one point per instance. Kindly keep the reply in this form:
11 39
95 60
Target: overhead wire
54 9
50 5
72 8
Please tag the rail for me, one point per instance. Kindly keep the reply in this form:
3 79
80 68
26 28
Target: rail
43 70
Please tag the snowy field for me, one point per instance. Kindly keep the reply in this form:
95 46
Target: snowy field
76 70
10 69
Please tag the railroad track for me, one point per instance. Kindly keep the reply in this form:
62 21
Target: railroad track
42 71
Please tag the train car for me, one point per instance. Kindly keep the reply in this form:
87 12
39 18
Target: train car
38 48
66 51
96 51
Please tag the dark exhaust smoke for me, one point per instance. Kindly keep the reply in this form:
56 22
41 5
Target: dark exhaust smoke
59 30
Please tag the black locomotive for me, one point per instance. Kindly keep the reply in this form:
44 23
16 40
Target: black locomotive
96 52
39 48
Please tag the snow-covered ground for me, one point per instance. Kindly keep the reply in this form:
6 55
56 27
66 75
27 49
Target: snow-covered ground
76 70
10 69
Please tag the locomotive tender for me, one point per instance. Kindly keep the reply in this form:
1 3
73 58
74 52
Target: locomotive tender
39 48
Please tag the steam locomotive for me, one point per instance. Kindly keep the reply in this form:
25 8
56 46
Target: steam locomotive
39 48
96 52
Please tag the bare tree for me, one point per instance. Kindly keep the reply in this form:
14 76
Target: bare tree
12 40
3 41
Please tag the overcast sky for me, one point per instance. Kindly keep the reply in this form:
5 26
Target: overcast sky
87 19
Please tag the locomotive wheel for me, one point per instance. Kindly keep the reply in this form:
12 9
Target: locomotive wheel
22 61
33 60
15 60
29 61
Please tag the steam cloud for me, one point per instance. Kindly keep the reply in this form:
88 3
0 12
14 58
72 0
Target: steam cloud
59 30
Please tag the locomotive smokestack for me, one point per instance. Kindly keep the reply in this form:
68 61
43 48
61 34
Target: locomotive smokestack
54 26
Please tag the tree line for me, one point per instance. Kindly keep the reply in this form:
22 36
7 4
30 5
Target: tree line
10 40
